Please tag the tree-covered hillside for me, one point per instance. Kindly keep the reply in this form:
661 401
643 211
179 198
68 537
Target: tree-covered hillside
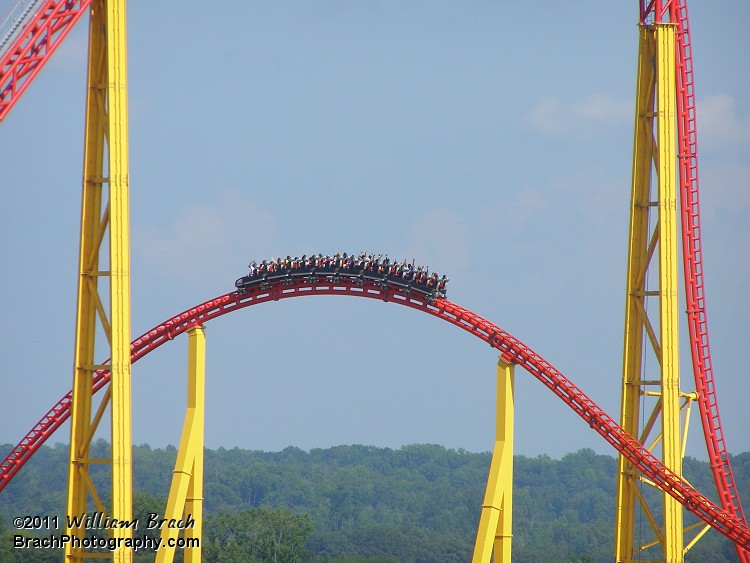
362 503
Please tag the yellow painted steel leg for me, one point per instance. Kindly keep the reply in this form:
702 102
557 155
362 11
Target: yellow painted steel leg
87 286
668 284
638 257
196 400
185 501
194 506
119 238
654 151
105 163
496 518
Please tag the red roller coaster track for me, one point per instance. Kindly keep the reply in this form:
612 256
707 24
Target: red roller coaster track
33 45
705 384
510 348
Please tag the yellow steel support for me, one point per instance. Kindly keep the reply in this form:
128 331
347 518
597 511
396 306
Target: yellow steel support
185 503
495 521
91 226
654 151
105 163
119 239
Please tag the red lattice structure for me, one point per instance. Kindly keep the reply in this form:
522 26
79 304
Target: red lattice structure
33 44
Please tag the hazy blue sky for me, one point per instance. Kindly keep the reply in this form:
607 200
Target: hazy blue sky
490 141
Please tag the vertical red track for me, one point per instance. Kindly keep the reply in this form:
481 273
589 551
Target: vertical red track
693 269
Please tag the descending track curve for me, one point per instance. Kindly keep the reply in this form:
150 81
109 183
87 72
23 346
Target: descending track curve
33 45
510 348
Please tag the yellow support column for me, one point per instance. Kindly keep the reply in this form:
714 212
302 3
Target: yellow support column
668 284
119 243
105 164
638 257
185 503
659 427
89 303
495 521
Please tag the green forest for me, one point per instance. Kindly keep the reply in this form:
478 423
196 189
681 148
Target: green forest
418 503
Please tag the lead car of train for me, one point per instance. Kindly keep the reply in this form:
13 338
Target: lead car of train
406 276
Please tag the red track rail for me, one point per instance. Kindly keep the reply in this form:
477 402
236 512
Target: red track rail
693 271
26 56
509 347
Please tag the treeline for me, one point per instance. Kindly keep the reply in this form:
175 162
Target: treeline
361 503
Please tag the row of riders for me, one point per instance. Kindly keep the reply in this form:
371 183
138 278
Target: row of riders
345 263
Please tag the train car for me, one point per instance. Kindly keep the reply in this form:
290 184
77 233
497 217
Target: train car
404 276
